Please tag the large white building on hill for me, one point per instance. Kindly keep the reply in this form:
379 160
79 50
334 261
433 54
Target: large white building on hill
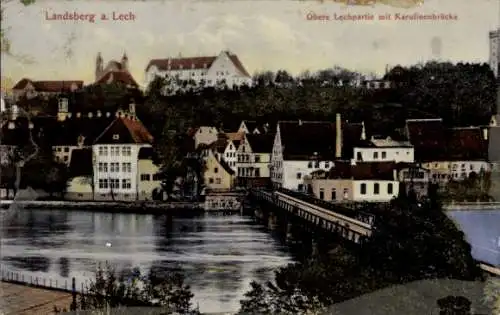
208 70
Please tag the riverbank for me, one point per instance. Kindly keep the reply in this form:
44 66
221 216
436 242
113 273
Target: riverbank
108 206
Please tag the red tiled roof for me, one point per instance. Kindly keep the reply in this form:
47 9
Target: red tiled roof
128 131
117 76
428 138
194 63
48 86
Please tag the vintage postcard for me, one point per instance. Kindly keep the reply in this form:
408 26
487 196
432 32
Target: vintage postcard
250 157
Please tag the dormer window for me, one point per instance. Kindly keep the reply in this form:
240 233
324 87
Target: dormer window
116 136
63 105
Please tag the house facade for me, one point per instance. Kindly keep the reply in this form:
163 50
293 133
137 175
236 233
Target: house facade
383 150
209 71
254 156
149 179
356 182
302 147
115 154
218 175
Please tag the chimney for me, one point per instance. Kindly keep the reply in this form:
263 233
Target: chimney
300 122
395 174
338 136
363 131
485 133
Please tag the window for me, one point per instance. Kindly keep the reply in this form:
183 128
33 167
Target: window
389 189
327 164
384 154
216 170
257 158
145 177
299 175
218 181
322 194
471 167
103 183
114 167
66 149
101 150
375 155
257 172
114 183
65 159
363 189
334 194
116 136
112 151
316 164
210 180
346 193
359 157
126 151
63 105
126 183
376 188
127 167
156 177
310 165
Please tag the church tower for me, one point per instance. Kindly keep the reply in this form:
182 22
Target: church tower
124 62
99 66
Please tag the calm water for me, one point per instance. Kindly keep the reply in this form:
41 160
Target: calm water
220 255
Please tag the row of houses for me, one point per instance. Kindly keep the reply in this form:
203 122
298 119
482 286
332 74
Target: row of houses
337 161
111 156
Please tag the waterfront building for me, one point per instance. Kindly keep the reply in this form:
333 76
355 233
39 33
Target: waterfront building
302 147
355 181
149 185
115 159
254 158
217 175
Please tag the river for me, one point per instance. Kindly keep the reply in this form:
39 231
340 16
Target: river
219 255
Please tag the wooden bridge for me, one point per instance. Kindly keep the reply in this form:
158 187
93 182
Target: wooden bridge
352 225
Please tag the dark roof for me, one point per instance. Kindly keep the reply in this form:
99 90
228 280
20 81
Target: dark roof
194 63
117 77
302 139
128 131
428 138
226 167
70 130
220 144
363 170
146 153
493 147
251 125
261 143
49 86
467 144
80 163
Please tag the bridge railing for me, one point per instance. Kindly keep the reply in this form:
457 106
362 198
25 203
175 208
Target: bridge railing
349 210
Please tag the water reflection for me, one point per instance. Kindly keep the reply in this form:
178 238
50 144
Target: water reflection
219 255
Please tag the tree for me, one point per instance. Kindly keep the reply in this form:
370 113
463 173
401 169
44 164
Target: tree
111 289
413 241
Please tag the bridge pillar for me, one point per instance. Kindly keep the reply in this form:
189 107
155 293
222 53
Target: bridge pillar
289 233
314 247
272 221
259 214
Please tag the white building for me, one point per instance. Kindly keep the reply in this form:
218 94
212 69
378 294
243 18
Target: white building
384 150
356 182
115 154
254 155
302 147
494 59
205 135
207 71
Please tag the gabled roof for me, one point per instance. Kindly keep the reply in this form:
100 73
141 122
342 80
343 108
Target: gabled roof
428 138
467 144
117 77
80 163
194 63
49 86
306 140
125 130
363 170
261 143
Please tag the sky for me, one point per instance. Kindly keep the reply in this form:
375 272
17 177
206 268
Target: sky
266 35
